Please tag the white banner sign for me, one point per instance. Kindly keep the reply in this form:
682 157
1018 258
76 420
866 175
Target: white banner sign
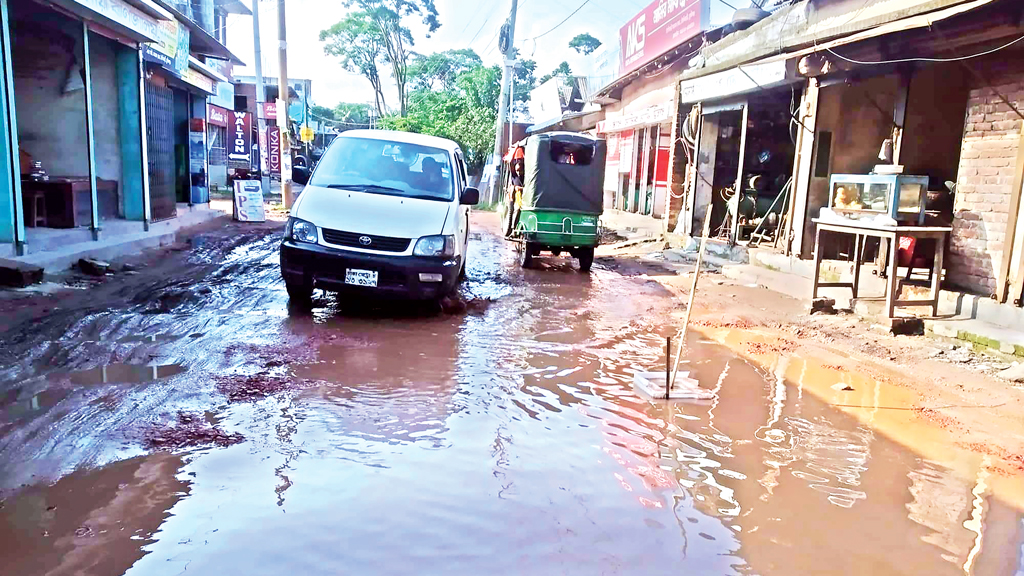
654 115
733 81
249 201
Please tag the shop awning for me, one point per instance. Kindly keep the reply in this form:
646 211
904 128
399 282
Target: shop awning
201 42
796 30
234 7
135 19
912 23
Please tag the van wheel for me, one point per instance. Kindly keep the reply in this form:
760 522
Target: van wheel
299 293
586 258
526 252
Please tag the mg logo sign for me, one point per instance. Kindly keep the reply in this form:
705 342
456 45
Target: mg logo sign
636 37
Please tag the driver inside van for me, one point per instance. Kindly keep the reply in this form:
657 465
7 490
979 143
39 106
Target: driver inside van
433 179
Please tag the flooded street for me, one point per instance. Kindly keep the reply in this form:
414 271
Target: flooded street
505 439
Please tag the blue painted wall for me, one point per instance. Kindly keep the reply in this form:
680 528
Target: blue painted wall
131 132
8 170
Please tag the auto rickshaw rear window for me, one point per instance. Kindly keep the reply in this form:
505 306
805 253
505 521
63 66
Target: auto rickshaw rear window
571 153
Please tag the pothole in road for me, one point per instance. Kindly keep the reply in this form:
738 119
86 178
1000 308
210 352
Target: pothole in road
121 374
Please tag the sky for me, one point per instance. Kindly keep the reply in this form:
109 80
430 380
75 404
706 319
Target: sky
464 23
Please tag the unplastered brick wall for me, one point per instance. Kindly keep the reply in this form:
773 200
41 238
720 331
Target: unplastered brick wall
988 166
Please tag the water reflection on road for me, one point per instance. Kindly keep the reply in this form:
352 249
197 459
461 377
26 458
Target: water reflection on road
510 441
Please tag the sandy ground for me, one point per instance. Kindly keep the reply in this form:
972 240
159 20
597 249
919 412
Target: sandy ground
934 380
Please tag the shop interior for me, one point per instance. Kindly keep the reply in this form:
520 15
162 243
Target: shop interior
49 71
637 188
910 118
765 146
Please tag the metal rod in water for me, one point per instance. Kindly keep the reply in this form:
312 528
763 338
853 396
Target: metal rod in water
668 367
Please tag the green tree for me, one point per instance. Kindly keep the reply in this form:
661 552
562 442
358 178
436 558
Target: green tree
358 42
465 111
350 113
321 112
562 71
438 71
389 17
585 44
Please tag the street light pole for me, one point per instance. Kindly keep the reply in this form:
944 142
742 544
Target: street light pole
506 78
282 115
261 97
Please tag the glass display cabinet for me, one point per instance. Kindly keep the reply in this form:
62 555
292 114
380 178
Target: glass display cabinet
866 196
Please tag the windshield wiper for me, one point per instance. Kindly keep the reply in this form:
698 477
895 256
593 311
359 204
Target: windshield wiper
366 188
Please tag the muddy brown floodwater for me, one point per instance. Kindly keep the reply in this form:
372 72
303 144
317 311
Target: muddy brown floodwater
506 439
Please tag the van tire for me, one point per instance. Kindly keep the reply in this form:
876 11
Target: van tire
586 258
299 293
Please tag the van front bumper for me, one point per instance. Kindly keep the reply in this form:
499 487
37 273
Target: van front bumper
398 276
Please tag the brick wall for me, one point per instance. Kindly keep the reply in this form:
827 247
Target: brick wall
988 165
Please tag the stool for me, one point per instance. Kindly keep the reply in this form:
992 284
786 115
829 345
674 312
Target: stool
37 202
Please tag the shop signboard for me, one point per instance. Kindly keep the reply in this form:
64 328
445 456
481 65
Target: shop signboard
658 114
270 110
249 201
274 150
217 116
197 161
612 141
264 144
240 138
626 152
171 48
661 27
733 81
124 14
200 80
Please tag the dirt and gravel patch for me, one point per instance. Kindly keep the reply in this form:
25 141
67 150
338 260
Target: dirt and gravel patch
188 431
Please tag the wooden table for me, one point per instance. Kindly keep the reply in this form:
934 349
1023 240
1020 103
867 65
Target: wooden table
68 200
861 231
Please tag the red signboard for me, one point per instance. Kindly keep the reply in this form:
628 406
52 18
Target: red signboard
217 116
274 150
661 27
240 138
270 110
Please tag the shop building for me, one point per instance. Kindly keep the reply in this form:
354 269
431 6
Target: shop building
90 142
763 118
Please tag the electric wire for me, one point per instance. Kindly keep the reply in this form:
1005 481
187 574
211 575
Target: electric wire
924 59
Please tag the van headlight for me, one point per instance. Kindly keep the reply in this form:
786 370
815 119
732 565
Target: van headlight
301 231
435 247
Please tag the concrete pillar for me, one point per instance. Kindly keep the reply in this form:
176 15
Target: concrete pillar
131 114
12 221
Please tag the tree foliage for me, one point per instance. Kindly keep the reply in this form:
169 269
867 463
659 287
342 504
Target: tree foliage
585 44
439 71
389 17
463 110
562 71
358 42
350 113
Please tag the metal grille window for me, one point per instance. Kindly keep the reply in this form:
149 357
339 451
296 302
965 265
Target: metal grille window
218 136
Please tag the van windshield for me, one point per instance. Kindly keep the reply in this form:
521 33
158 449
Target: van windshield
383 167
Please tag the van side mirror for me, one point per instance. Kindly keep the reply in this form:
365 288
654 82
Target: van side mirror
300 175
470 196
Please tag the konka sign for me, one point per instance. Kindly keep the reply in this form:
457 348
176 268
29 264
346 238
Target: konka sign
240 137
275 150
661 27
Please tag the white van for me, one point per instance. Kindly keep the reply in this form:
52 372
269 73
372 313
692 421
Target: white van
383 214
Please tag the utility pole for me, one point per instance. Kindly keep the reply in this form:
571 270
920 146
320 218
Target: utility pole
506 77
282 115
261 97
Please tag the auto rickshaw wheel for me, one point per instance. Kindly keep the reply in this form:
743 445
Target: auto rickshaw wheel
526 252
586 258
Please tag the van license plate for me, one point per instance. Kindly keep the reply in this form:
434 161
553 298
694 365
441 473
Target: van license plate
361 278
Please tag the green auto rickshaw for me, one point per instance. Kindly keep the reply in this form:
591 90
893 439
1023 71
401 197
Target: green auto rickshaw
553 195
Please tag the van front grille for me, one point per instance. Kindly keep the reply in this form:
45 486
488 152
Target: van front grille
355 240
